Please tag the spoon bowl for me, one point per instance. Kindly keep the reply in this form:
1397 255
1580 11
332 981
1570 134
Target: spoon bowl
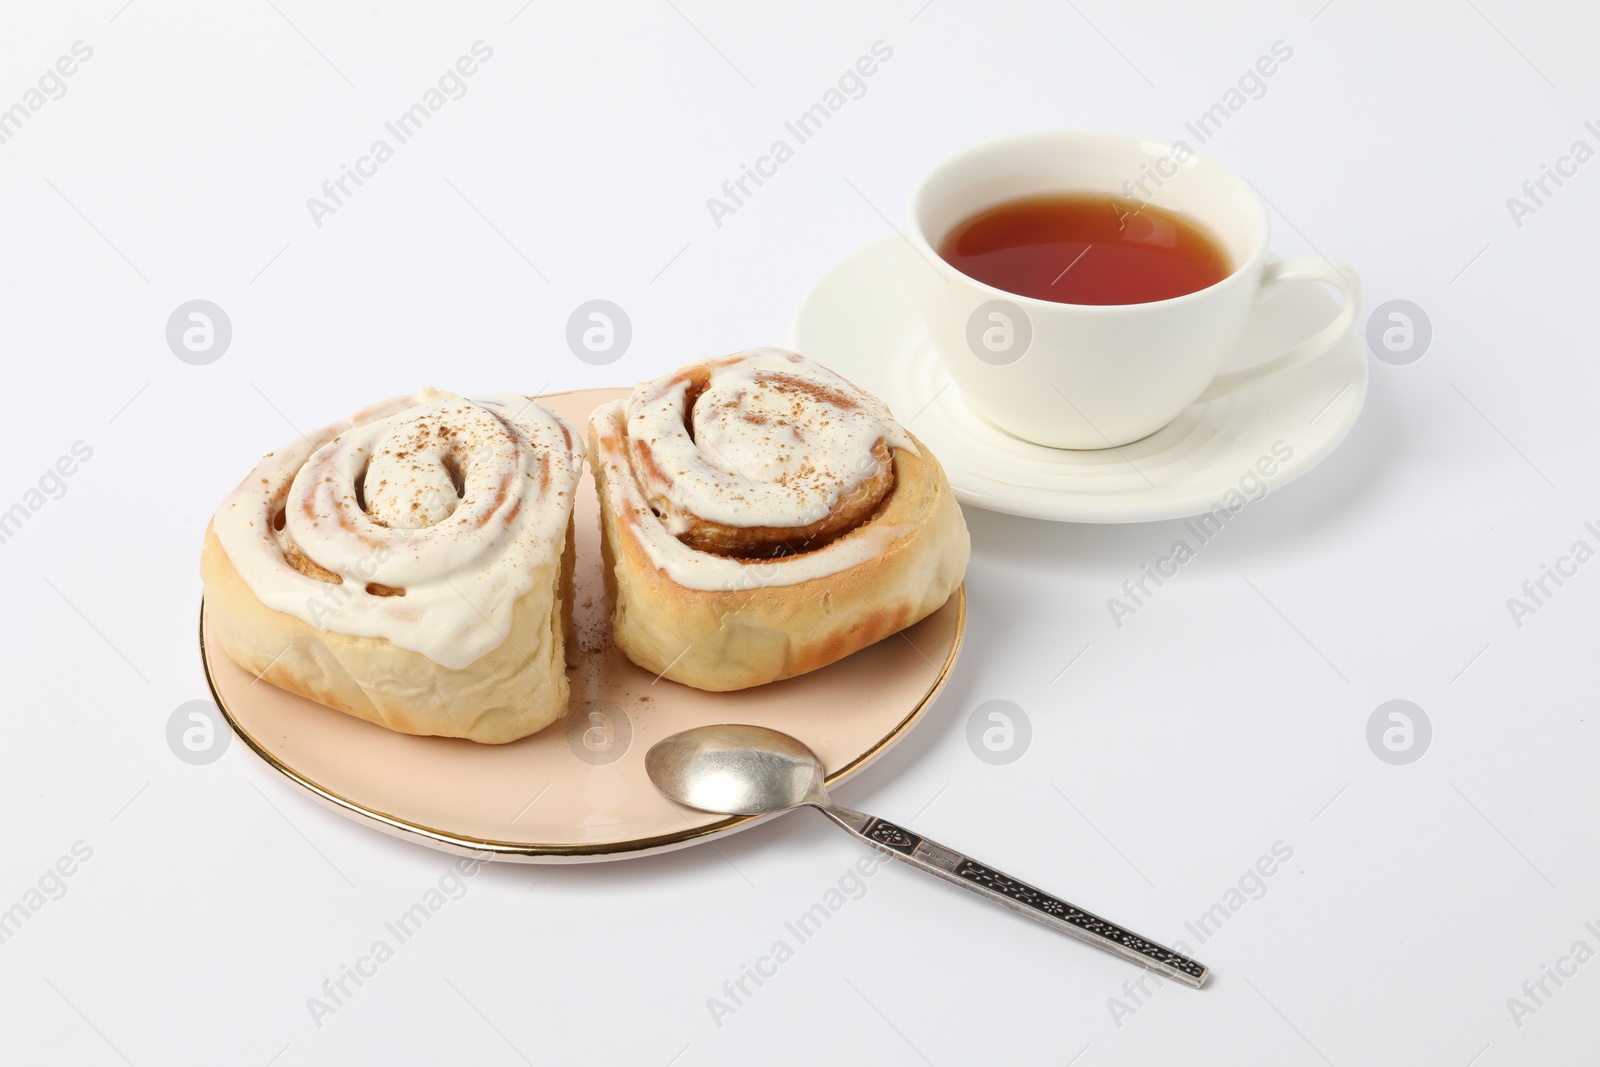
736 770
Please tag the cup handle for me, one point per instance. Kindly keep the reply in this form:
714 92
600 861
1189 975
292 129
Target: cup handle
1308 269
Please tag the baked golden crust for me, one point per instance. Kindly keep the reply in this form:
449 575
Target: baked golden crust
514 690
761 631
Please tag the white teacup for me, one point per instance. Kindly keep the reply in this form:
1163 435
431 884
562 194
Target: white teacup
1099 376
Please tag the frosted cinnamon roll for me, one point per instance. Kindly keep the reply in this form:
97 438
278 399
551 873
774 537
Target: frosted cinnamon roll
411 566
763 517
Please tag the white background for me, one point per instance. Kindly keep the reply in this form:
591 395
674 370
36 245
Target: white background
1172 754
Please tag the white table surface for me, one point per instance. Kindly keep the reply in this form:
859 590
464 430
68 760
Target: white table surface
1229 716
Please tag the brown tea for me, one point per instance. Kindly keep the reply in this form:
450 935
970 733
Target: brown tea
1086 248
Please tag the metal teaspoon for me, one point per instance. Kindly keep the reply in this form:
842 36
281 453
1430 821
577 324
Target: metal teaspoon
750 770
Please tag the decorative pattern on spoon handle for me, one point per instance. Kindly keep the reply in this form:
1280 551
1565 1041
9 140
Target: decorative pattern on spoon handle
892 837
952 866
1063 912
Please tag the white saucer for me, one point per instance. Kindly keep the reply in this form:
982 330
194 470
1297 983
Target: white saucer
860 320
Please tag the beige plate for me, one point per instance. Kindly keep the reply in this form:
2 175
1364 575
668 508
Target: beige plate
577 792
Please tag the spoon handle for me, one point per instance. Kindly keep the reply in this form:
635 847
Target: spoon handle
952 866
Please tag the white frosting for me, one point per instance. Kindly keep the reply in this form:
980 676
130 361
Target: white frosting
787 466
773 440
464 499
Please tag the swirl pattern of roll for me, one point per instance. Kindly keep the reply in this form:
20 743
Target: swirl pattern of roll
762 517
411 566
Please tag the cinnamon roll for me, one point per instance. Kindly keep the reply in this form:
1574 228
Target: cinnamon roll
762 517
411 566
